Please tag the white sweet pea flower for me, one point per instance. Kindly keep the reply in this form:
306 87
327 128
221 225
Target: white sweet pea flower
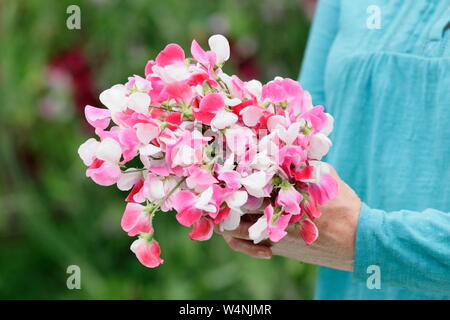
223 119
231 222
115 98
258 231
254 87
172 73
87 151
288 136
219 44
319 146
255 183
109 150
139 102
128 179
203 200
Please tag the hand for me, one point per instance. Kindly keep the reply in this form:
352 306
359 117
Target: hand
334 247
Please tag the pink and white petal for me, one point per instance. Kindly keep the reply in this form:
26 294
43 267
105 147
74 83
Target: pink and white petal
231 222
212 102
237 199
87 151
251 115
187 217
128 179
105 175
203 230
182 199
275 121
223 119
319 146
171 54
219 44
308 231
146 132
139 102
258 231
231 179
199 54
97 117
131 216
147 253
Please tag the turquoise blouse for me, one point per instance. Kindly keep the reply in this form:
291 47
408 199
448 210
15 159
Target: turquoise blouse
383 72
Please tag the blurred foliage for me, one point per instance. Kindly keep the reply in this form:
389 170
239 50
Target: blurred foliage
52 216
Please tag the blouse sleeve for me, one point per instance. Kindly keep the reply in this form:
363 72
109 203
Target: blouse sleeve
321 37
411 249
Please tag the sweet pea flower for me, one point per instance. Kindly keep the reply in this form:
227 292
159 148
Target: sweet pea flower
289 199
202 230
255 183
322 186
170 64
318 146
209 107
190 207
97 117
308 231
147 252
234 200
135 219
276 223
103 160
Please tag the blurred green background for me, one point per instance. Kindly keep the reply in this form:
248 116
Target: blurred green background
51 215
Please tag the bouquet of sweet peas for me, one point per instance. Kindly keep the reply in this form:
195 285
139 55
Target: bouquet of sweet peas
190 138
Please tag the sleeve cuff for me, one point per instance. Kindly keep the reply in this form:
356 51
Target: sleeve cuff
367 248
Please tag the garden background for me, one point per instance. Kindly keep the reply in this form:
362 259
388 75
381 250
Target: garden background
51 215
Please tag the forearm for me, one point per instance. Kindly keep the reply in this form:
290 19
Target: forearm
412 249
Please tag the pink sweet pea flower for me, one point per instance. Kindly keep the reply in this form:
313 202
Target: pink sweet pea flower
209 106
289 199
199 178
202 230
276 224
190 207
316 117
147 252
170 64
309 205
325 190
308 231
135 220
171 54
103 160
97 117
103 173
180 91
206 58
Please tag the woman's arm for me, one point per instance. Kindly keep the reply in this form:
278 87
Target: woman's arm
412 249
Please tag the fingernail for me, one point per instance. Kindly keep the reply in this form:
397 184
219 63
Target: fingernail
262 254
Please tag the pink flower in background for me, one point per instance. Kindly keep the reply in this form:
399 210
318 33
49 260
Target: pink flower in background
212 147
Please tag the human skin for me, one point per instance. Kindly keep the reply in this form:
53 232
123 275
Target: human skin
334 247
